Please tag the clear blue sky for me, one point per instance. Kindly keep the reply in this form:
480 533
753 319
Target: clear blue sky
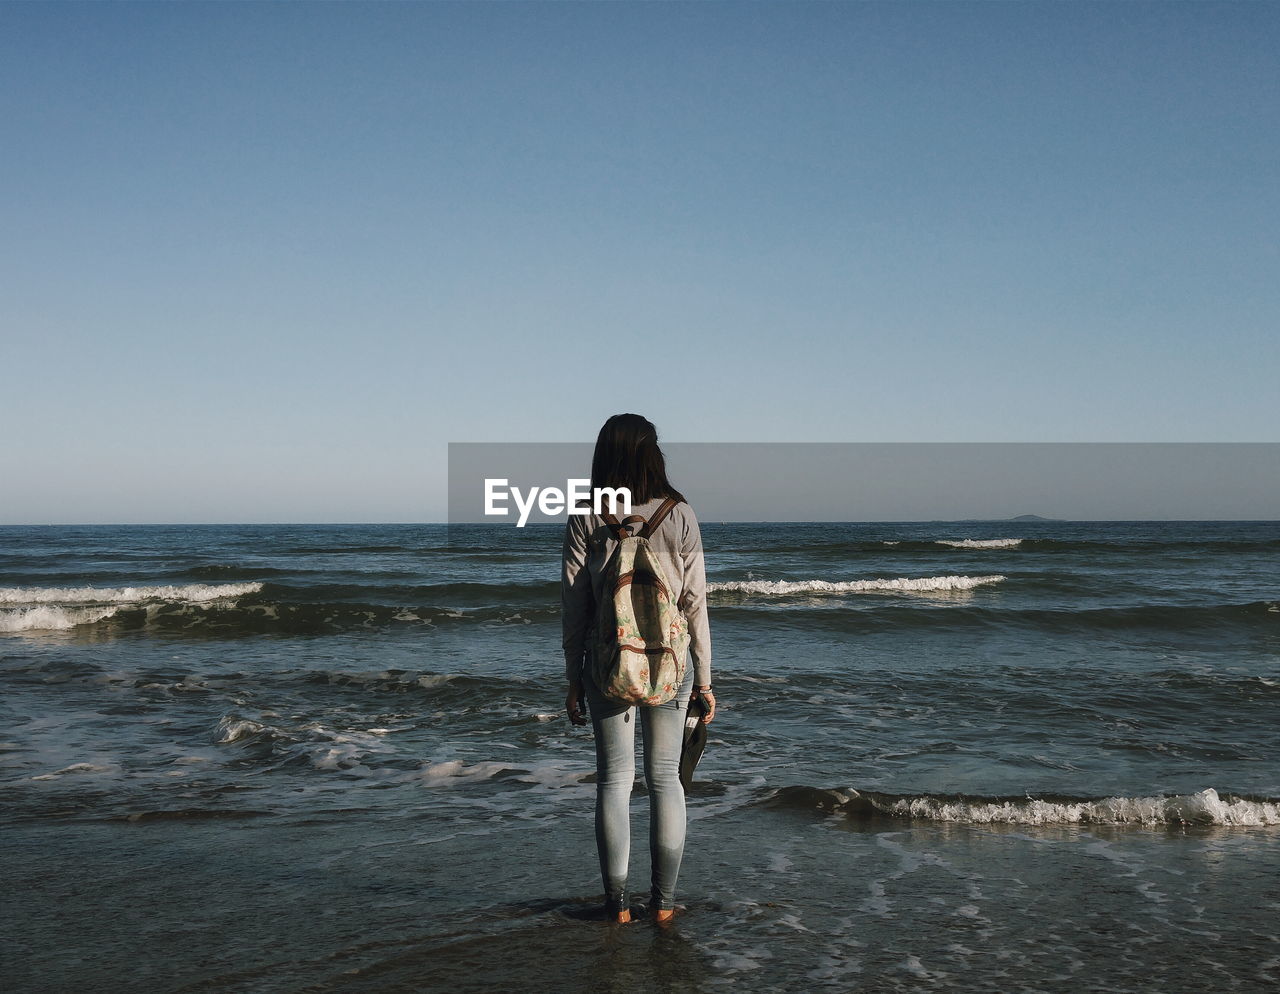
262 262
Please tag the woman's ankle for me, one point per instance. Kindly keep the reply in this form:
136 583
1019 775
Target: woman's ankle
617 908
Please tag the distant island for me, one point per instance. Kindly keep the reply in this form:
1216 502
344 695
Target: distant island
1033 517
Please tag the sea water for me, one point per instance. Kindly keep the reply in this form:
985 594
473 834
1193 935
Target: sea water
949 756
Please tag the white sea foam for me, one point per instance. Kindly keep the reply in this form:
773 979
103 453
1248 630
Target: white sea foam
909 584
334 757
73 768
51 619
233 729
456 771
34 609
64 596
981 543
1202 808
552 776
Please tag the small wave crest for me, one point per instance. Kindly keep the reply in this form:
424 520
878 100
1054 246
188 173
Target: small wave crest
233 729
981 543
906 584
1206 807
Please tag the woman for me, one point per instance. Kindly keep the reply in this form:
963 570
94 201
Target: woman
627 455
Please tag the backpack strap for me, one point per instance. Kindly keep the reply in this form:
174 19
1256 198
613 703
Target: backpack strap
659 516
619 528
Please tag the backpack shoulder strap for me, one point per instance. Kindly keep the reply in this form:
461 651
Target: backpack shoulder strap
619 528
658 517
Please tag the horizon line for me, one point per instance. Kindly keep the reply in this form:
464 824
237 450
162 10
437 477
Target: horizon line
706 521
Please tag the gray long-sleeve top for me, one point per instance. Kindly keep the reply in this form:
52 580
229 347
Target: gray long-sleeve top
589 543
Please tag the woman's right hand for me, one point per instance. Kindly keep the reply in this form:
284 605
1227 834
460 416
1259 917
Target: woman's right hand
573 704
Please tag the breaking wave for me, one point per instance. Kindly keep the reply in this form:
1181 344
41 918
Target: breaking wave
1206 807
189 593
907 584
45 609
49 619
270 610
981 543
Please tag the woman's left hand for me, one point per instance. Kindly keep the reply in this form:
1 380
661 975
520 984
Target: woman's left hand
573 704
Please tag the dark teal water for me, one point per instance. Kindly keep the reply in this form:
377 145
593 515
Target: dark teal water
1017 756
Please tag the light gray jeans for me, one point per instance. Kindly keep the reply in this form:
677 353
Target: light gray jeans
614 726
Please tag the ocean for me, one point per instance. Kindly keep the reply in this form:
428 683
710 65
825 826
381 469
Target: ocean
1014 756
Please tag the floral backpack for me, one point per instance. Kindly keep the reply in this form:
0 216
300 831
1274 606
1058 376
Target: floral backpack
642 637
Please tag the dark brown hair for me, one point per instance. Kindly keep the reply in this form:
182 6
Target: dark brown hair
627 455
